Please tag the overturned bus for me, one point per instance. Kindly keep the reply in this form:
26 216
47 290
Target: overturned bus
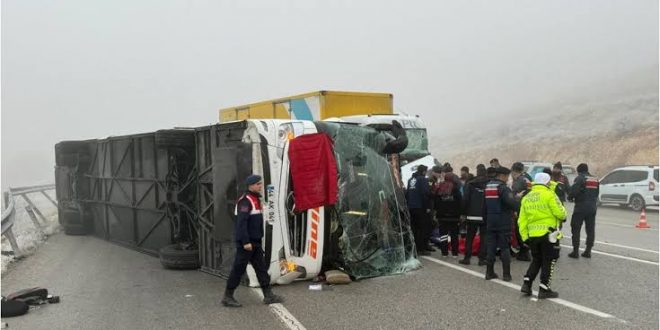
173 193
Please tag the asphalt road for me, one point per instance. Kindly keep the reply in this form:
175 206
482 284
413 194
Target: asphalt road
105 286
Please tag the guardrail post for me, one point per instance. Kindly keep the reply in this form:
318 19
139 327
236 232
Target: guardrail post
6 200
33 217
12 241
36 210
49 198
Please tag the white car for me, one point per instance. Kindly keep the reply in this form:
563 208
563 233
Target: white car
634 186
570 172
533 167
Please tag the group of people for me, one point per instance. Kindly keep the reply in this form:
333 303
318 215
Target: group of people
532 209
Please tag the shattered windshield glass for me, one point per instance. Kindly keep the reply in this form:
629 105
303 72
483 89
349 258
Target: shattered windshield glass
418 144
372 225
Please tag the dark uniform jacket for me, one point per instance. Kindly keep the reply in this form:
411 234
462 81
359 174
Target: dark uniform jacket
473 199
521 184
249 220
585 193
562 186
499 206
418 193
448 206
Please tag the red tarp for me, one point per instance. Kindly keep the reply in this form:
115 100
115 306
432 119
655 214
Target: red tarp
313 171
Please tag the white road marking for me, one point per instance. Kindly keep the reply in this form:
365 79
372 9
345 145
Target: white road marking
282 313
632 226
618 245
559 301
617 256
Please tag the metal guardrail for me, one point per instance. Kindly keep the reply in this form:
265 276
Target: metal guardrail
9 213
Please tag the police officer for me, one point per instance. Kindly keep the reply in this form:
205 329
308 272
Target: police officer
499 206
521 184
541 214
248 234
585 194
419 203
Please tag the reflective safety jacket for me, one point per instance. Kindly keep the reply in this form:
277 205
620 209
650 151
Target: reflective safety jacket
541 212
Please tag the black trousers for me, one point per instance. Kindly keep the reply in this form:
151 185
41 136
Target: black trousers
256 259
498 239
421 227
522 249
449 228
472 228
544 257
589 219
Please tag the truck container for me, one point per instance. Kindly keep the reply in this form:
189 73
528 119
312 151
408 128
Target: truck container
312 106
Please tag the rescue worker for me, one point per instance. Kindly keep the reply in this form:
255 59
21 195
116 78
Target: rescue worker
562 181
419 204
541 214
520 185
495 163
248 234
447 201
473 201
499 205
585 194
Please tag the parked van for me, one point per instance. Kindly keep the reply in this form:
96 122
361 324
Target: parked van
633 186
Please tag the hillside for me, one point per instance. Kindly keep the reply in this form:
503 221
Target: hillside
605 134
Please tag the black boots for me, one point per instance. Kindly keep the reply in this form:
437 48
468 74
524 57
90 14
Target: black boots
464 261
270 297
587 253
490 272
506 272
228 300
574 254
545 292
526 288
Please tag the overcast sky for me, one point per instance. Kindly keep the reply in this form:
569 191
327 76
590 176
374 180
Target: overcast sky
86 69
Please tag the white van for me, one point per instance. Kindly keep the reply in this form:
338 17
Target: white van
634 186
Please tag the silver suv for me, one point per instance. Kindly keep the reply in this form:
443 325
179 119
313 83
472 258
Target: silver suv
634 186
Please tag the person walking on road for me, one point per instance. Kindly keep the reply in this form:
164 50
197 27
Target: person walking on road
499 207
473 203
541 215
248 235
584 192
419 204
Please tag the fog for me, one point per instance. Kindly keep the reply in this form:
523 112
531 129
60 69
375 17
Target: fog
88 69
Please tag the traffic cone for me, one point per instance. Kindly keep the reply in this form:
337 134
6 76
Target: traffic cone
642 220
